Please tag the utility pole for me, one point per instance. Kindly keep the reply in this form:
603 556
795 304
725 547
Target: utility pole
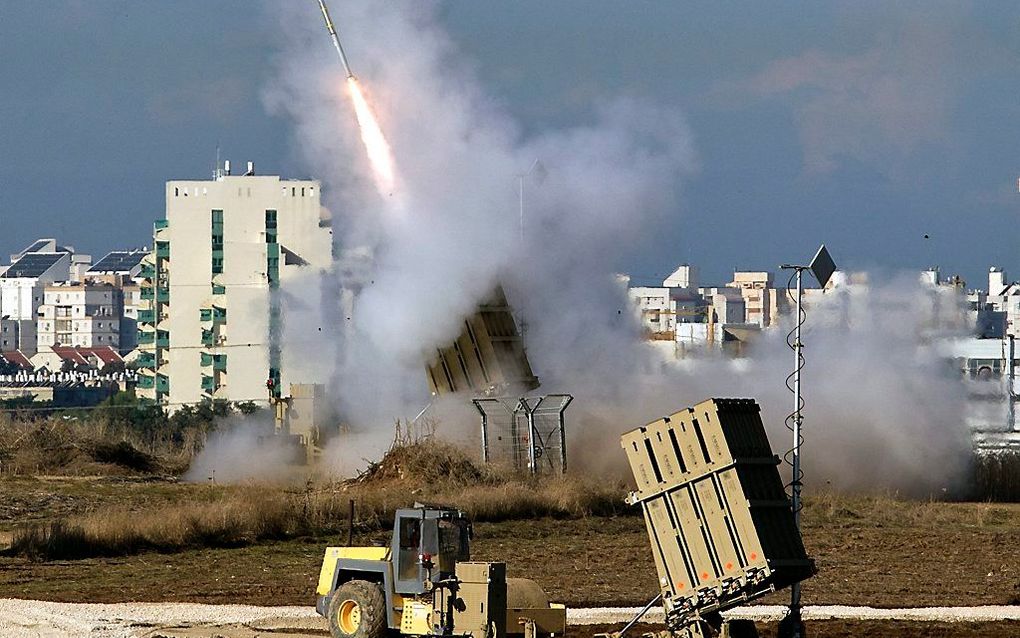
822 266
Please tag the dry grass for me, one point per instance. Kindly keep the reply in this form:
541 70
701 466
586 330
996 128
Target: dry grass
79 446
255 513
432 472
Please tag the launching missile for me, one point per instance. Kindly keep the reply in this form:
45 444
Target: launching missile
336 38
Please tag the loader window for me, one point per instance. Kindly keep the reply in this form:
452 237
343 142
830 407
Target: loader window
410 544
453 546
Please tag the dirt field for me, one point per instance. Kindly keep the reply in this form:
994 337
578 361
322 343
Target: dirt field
879 552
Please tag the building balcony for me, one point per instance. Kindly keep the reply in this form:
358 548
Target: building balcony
146 382
160 224
206 359
163 249
147 271
162 383
220 363
146 337
146 359
147 316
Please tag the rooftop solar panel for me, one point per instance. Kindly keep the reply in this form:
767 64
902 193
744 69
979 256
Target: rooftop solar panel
37 246
32 265
118 261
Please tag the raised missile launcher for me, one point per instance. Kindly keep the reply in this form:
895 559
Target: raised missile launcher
487 358
721 527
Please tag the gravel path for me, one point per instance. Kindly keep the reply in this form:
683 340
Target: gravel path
36 619
765 613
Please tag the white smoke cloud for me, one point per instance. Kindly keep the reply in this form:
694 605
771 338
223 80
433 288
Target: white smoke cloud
451 232
879 414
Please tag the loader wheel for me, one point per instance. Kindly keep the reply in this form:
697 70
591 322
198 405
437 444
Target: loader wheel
357 610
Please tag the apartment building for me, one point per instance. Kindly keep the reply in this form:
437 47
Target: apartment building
761 301
123 268
21 289
83 315
211 312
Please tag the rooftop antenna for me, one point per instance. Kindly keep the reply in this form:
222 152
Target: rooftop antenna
822 267
216 168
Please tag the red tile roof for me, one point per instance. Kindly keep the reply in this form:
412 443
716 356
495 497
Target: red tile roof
69 353
18 358
106 354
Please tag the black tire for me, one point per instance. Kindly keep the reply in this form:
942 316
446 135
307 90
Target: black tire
368 599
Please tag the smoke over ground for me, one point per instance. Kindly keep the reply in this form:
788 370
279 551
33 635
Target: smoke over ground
883 410
242 449
424 256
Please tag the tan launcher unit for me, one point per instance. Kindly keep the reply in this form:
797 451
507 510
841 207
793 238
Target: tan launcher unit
487 358
720 524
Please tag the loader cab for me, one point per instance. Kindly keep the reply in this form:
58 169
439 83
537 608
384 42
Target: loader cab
427 544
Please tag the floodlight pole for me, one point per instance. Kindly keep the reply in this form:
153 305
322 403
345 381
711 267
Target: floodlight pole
798 418
822 267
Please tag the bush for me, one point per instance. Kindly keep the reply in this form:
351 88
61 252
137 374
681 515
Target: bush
997 477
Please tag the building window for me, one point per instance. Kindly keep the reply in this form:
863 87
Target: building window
217 242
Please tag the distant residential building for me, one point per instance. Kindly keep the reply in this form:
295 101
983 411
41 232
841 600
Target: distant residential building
728 305
211 313
123 269
22 284
654 309
761 303
80 315
9 329
999 310
685 276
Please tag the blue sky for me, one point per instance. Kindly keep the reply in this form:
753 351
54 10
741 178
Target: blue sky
863 125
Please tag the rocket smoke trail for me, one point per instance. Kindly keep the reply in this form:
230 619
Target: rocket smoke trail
378 149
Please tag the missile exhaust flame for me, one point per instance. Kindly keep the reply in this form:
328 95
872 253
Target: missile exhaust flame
379 154
378 149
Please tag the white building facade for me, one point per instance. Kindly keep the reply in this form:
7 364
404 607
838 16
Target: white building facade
210 311
79 315
21 290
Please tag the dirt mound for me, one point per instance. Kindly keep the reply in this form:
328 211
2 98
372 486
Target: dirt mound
125 455
421 464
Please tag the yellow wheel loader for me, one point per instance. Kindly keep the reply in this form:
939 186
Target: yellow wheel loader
424 584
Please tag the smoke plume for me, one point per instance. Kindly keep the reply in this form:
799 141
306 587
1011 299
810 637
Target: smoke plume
422 257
